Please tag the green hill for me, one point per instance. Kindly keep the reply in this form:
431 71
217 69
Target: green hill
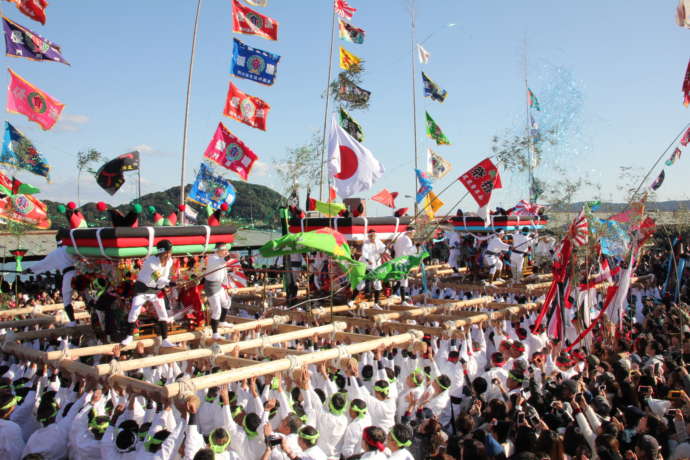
256 205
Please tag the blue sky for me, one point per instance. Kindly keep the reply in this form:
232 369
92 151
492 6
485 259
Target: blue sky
127 83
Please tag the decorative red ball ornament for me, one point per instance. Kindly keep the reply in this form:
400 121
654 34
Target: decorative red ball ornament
181 208
72 205
224 207
101 206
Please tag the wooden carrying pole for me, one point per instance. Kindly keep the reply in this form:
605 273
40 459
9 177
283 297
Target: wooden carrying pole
200 353
42 309
380 317
177 338
291 363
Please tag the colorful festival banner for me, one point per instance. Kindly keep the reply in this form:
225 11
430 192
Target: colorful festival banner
434 131
432 204
348 60
19 205
253 64
211 189
432 90
349 92
481 180
26 99
249 22
533 101
349 124
436 166
34 9
246 109
110 176
19 152
675 156
21 42
350 33
425 185
229 151
658 181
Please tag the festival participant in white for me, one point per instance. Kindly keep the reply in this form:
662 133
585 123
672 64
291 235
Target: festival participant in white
522 242
403 246
454 246
372 251
215 285
494 247
11 441
152 280
61 260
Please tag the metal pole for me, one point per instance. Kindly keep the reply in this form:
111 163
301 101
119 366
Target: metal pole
530 145
186 109
414 104
325 110
139 182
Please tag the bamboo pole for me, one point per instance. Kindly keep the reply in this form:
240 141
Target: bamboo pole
150 361
294 362
56 332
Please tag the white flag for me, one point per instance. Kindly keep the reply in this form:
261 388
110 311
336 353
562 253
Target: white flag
424 55
352 166
436 166
257 2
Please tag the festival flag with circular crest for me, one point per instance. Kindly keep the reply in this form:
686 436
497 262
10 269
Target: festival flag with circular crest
254 64
229 151
24 98
22 42
246 109
247 21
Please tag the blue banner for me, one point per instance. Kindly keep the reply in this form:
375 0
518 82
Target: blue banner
211 189
19 152
425 185
254 64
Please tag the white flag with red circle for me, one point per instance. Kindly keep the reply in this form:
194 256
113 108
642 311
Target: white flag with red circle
353 167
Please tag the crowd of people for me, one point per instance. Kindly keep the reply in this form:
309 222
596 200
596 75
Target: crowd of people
500 389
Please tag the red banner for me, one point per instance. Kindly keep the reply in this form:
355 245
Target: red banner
481 180
246 109
24 98
248 21
35 9
229 151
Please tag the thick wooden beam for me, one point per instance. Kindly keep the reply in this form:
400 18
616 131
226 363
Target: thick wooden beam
242 324
293 362
149 361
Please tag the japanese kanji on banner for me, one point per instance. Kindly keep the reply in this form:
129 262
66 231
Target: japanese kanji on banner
229 151
210 189
246 109
481 180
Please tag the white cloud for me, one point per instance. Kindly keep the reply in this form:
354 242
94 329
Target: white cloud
260 168
150 150
71 122
143 148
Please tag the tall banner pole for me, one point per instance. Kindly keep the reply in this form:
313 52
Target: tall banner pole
414 104
186 110
325 110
